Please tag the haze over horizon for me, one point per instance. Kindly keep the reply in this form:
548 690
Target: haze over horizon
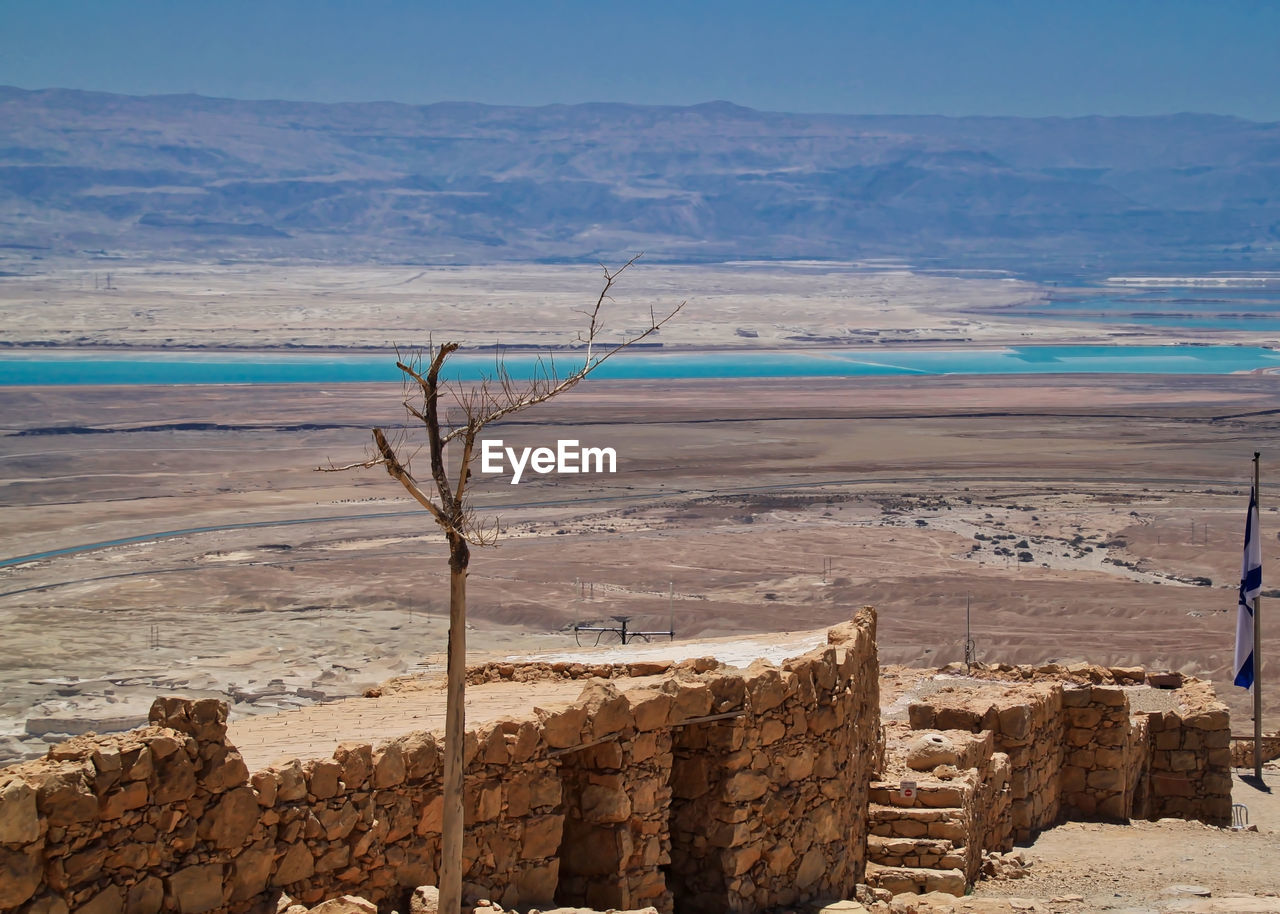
954 59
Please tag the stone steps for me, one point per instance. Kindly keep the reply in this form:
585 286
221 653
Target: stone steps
932 796
947 823
916 880
929 853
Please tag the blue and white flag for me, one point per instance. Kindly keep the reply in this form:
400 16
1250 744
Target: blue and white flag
1250 587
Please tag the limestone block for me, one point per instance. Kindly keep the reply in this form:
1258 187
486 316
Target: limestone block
432 818
356 764
649 708
265 787
145 897
223 768
608 710
291 781
1015 722
765 688
108 901
739 860
136 763
1109 758
1183 760
778 859
689 700
1218 739
811 868
1172 785
823 720
746 786
296 865
1113 807
323 777
950 882
486 801
19 820
921 716
346 904
1106 779
537 884
389 768
1072 779
1219 784
336 822
545 791
195 889
1217 719
230 822
541 837
798 766
563 729
250 872
728 691
602 804
336 857
1079 736
20 875
425 900
1084 717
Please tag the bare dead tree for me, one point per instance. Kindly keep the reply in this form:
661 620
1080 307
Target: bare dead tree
446 498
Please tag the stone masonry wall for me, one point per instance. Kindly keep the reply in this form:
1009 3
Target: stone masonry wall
1096 781
1190 762
1027 725
601 802
1080 752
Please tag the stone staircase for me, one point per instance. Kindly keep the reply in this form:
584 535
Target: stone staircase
933 841
919 848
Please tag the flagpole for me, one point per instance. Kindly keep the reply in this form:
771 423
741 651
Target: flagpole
1257 645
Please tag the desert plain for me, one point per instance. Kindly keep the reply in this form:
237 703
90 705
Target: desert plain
1086 517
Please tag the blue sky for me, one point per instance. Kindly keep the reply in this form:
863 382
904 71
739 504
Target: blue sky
948 57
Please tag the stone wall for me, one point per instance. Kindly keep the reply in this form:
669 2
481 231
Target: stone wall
1027 724
1242 749
720 790
1079 751
1190 763
1098 775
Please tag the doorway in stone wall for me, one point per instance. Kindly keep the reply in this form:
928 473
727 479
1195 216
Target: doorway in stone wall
596 841
695 876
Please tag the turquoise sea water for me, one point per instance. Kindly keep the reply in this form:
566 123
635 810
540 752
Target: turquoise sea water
30 369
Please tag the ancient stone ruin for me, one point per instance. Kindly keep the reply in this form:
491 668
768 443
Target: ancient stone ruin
697 788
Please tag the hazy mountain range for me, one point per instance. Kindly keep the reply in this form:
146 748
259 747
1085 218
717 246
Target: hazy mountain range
188 176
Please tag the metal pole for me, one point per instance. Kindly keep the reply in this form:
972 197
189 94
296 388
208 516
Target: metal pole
968 654
1257 642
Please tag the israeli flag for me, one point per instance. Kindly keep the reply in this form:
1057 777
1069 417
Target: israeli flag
1250 587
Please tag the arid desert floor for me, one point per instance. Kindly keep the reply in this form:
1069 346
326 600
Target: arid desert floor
736 507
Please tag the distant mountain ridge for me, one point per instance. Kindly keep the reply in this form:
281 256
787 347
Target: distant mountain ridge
189 176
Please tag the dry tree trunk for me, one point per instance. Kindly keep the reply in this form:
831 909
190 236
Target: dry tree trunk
494 398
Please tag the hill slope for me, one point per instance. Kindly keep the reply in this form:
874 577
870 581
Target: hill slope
195 176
